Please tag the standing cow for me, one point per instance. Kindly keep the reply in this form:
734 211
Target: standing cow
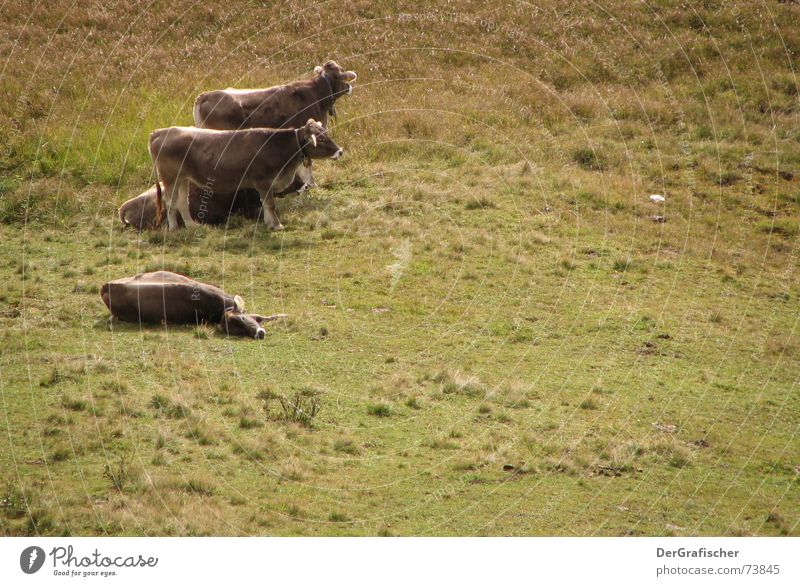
263 159
282 106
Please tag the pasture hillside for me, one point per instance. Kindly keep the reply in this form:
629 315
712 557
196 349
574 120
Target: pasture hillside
493 330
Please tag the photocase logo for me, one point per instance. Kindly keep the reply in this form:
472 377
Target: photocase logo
31 559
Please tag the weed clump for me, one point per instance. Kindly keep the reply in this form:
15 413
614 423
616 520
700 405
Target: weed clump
121 474
380 410
302 407
588 159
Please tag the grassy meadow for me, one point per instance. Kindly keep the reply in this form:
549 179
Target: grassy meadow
492 331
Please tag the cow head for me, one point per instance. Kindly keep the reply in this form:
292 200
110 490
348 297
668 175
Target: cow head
316 143
237 322
339 79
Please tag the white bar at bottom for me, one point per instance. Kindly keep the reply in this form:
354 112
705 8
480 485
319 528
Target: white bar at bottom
378 561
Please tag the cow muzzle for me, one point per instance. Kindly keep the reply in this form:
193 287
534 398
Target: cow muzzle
261 333
337 154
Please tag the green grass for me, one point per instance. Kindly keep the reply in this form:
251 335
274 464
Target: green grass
488 334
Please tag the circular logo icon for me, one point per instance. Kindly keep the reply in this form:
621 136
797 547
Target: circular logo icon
31 559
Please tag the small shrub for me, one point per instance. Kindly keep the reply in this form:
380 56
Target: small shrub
59 455
680 457
413 403
249 423
456 382
622 265
203 332
121 474
201 435
587 158
345 446
57 376
14 503
74 404
380 410
168 408
159 402
39 522
302 407
480 203
198 486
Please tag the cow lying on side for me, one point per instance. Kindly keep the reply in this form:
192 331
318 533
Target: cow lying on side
165 297
205 207
281 106
263 159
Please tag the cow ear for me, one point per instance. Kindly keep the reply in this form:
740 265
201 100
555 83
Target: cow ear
318 69
238 303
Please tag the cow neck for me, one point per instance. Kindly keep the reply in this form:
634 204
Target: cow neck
303 155
331 97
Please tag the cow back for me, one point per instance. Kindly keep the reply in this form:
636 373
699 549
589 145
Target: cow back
285 106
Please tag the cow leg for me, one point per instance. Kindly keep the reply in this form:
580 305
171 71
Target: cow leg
270 216
183 204
170 192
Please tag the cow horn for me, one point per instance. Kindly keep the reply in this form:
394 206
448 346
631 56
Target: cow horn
318 69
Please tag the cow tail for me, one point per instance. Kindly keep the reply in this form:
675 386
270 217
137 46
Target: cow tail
159 203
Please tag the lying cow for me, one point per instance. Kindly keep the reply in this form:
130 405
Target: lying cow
165 297
282 106
263 159
205 207
140 212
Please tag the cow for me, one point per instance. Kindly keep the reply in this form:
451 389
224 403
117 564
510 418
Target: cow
264 159
163 297
140 212
205 207
282 106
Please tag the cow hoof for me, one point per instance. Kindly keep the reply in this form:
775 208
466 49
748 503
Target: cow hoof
277 228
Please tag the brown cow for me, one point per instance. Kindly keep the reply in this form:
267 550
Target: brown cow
264 159
282 106
165 297
205 207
